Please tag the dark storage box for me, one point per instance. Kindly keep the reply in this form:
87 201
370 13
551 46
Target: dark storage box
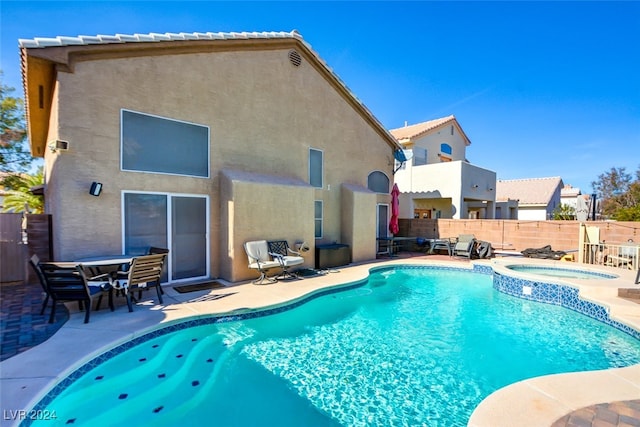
332 255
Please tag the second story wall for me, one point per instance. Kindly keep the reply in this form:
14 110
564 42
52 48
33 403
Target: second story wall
445 144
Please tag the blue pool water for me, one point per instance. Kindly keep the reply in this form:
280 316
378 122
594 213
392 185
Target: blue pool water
412 346
569 273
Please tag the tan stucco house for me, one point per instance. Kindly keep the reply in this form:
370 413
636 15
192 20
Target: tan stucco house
438 181
201 142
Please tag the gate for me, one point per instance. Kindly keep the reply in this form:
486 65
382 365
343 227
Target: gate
12 249
14 253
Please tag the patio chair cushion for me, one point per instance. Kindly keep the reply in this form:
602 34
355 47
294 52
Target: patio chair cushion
261 259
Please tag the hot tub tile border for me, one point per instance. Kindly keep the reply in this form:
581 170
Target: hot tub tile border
557 294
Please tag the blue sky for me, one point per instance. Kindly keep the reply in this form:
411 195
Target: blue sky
541 88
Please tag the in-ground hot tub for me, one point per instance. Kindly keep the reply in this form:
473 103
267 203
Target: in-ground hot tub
567 273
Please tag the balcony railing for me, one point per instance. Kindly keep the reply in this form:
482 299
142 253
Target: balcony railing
623 255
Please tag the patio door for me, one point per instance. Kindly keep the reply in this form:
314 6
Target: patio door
382 221
178 222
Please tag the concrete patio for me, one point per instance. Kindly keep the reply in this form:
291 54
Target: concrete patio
609 397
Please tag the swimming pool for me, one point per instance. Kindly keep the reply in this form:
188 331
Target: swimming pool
568 273
411 346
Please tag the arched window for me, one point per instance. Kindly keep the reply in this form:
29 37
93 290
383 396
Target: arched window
445 148
378 182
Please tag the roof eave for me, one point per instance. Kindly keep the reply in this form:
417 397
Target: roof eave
39 65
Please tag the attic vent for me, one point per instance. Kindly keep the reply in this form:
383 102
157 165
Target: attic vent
295 58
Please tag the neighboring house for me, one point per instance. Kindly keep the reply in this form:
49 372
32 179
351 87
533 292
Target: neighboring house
569 197
536 197
438 182
202 142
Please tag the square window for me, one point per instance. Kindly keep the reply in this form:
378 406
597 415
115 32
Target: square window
160 145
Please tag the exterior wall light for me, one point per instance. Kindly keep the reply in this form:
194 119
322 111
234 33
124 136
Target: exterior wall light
58 145
96 189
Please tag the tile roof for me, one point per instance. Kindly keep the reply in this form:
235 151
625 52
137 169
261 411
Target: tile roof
530 191
62 41
418 129
569 191
42 42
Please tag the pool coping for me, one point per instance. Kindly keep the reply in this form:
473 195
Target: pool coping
26 378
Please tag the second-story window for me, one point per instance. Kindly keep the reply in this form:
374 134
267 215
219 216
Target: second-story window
419 156
379 182
162 145
315 167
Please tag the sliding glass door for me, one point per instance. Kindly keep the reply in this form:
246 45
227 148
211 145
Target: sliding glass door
178 222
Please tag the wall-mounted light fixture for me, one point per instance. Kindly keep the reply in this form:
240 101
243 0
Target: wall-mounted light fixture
474 186
96 188
490 189
58 145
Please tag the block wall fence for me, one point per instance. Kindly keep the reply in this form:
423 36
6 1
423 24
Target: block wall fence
519 235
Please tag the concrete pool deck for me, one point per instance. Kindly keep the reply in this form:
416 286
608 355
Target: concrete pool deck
542 401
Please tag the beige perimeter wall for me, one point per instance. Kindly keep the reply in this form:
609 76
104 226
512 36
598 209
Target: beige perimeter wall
519 235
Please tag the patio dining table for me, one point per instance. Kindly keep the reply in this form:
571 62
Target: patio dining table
106 264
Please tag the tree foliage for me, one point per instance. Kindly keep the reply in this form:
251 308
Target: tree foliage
620 194
19 197
564 212
15 158
14 154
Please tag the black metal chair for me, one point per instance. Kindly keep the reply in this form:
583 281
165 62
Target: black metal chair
144 273
287 257
35 261
67 282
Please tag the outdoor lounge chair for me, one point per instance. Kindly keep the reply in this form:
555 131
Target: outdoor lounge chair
67 282
143 273
260 259
465 245
35 264
287 257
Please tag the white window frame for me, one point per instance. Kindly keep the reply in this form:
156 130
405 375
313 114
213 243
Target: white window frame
321 218
321 167
169 223
386 220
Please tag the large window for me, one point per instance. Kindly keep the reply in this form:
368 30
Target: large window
419 156
315 167
160 145
378 182
318 218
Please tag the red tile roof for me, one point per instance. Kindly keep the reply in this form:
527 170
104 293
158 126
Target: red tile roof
420 129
